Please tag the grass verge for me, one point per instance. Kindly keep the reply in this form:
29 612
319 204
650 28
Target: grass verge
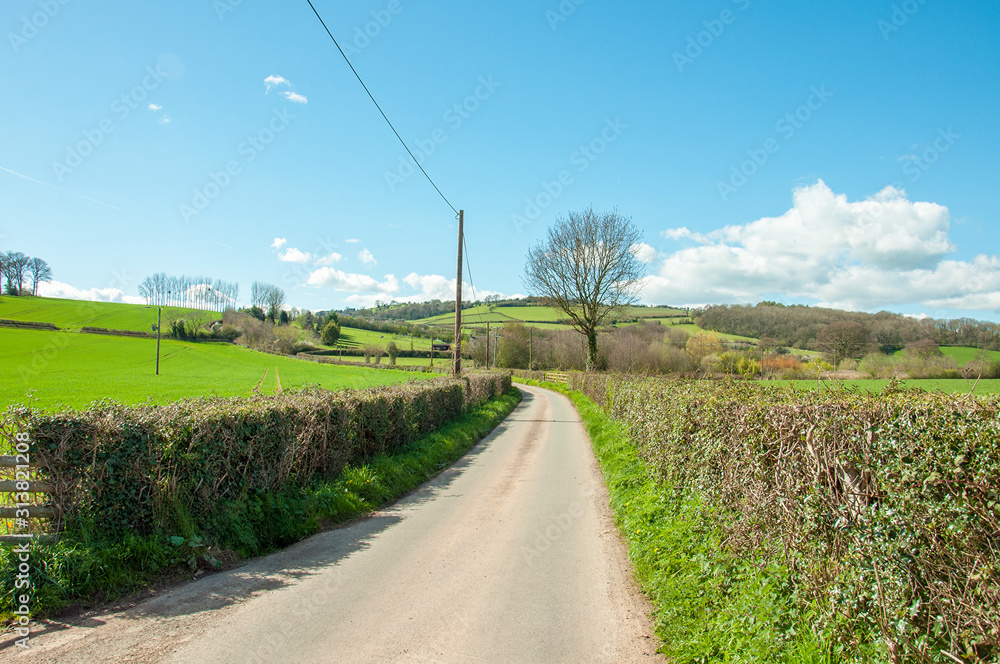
83 568
708 607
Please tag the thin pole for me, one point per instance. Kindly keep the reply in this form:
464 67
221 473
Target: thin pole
159 313
531 334
458 298
487 345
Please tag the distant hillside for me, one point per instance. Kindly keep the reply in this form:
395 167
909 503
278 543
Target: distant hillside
799 326
76 314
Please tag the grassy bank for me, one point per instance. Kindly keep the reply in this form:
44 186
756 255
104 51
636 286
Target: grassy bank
84 568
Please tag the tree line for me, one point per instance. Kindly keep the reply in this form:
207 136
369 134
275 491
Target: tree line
800 326
163 290
16 268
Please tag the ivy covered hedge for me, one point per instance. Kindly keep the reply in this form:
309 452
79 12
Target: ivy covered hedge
169 469
875 517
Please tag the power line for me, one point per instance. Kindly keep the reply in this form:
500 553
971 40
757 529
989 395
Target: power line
370 95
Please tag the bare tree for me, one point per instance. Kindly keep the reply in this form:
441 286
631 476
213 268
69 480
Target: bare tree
275 299
40 273
14 266
258 294
845 339
587 269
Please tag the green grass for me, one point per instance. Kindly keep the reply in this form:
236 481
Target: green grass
963 355
84 567
74 314
73 369
538 316
354 338
946 385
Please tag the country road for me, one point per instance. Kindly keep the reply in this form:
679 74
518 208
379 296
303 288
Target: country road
509 556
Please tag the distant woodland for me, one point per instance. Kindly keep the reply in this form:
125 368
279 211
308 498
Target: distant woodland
802 327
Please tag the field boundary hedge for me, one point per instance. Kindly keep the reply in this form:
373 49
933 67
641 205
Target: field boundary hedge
166 469
27 325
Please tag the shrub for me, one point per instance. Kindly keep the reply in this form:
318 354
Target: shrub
330 334
877 365
392 350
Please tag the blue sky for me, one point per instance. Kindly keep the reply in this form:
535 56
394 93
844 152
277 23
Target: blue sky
838 153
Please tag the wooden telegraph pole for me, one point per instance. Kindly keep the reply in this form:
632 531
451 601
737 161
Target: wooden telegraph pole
458 298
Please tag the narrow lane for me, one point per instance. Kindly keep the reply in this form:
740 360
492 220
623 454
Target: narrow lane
509 556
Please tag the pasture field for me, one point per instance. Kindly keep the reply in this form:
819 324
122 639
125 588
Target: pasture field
946 385
353 338
68 369
74 314
538 316
963 355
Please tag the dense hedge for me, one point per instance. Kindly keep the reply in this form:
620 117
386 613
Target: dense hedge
883 511
168 469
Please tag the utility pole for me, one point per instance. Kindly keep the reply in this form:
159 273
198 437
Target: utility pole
159 314
458 298
487 345
531 334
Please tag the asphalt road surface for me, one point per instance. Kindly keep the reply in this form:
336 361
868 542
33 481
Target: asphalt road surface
509 556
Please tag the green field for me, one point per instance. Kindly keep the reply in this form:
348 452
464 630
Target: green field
354 338
962 355
537 316
73 369
74 314
947 385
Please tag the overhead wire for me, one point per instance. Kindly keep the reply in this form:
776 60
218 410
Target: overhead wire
384 116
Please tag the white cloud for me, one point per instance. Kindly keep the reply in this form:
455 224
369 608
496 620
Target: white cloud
327 277
62 290
165 119
293 255
367 257
294 97
154 107
279 242
885 250
274 80
644 253
330 260
352 240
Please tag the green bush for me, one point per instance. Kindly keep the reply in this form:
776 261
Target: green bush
330 334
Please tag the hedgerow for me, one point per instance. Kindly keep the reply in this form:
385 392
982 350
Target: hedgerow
874 519
147 489
161 469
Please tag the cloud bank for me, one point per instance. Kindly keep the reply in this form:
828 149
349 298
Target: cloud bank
862 255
